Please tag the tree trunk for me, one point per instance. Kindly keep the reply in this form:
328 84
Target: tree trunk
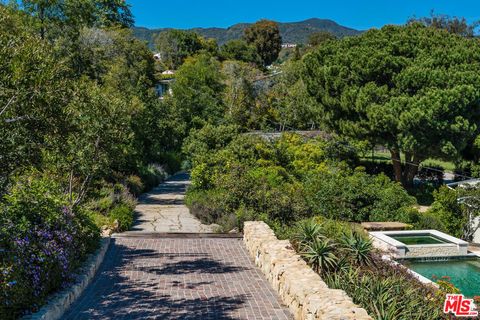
411 168
397 165
42 22
412 162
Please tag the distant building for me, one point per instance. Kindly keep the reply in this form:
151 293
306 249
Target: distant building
163 87
168 72
289 45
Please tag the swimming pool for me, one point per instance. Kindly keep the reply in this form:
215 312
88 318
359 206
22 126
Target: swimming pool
463 273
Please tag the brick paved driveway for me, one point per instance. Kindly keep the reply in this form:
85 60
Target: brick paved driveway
178 278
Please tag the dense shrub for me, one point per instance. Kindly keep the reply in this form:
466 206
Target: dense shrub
134 184
268 191
388 292
202 142
286 180
172 161
424 193
248 194
447 209
123 214
111 196
117 199
426 220
43 241
208 205
356 196
151 176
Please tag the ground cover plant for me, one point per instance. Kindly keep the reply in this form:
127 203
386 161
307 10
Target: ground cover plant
43 241
344 256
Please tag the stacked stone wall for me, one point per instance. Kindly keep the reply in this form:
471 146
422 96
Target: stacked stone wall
299 287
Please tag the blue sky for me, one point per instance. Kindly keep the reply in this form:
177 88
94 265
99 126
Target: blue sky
356 14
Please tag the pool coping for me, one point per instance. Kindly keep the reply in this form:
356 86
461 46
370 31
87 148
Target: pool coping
402 248
419 277
385 235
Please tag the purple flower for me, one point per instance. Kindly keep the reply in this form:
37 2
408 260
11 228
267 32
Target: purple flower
67 212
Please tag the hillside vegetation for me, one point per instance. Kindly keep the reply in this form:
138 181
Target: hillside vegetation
291 32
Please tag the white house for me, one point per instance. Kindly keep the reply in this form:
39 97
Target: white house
163 87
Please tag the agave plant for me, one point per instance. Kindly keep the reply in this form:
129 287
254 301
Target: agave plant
308 231
358 248
319 253
343 264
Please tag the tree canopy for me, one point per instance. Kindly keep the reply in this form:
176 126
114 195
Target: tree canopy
318 38
412 89
198 89
53 16
174 46
239 50
264 35
455 25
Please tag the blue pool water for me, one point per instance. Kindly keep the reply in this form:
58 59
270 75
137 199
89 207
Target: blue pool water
464 274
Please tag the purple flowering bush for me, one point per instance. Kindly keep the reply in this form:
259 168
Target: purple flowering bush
42 242
113 205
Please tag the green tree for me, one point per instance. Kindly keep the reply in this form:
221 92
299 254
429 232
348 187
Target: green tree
54 16
34 92
198 91
239 50
159 128
265 36
47 12
202 143
458 210
113 13
297 54
294 106
54 118
455 25
98 141
320 37
122 61
239 96
412 89
174 46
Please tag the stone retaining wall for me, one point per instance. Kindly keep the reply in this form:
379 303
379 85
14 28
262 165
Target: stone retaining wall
299 287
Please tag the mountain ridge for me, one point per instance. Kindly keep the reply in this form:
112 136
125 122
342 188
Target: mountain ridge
292 32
